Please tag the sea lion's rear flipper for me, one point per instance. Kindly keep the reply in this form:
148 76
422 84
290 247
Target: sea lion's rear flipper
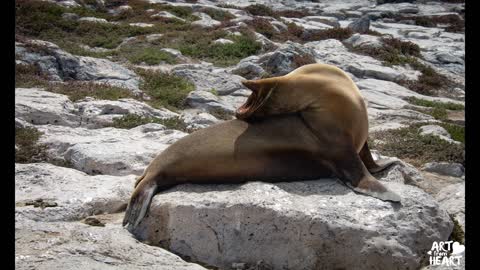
139 203
351 170
372 165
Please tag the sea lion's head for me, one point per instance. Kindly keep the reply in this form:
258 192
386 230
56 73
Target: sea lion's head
269 97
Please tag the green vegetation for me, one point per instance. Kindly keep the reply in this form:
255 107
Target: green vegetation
199 44
30 76
397 52
435 104
221 114
260 10
166 90
407 143
217 14
457 132
458 234
129 121
29 151
139 53
335 33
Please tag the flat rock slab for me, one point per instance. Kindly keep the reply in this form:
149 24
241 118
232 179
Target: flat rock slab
108 150
299 225
77 246
67 194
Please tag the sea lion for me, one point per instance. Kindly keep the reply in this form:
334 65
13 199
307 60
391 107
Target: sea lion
308 124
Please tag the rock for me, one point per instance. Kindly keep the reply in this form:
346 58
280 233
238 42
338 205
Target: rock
76 195
437 131
393 8
363 70
153 37
297 225
445 168
267 44
198 120
248 70
452 199
93 19
205 21
166 15
106 150
143 25
39 107
332 21
100 113
60 65
360 25
358 40
308 25
78 246
223 41
206 79
286 58
279 26
70 16
173 52
447 58
208 101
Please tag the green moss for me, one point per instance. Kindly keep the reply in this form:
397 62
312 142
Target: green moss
214 91
129 121
166 90
407 143
29 151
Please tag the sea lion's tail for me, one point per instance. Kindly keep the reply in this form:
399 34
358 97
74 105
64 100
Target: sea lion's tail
139 203
372 165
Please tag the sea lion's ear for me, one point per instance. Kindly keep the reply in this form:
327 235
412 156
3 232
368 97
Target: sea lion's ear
254 85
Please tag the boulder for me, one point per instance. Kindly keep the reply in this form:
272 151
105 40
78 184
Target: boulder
100 113
248 70
39 107
207 101
437 131
206 79
445 168
452 199
60 65
360 25
298 225
78 246
286 58
167 15
205 21
358 40
332 21
107 150
44 192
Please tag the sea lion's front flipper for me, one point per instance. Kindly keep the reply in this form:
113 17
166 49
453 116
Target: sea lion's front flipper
372 165
139 203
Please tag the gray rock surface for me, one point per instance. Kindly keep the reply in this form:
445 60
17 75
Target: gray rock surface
72 194
206 79
452 199
437 131
361 25
78 246
107 150
205 21
60 65
298 225
38 107
445 168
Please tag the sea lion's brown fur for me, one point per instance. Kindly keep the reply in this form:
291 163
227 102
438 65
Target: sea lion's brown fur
308 124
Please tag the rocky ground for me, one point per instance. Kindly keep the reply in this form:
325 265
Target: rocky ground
103 86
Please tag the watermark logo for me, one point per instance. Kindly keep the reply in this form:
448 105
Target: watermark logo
448 253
